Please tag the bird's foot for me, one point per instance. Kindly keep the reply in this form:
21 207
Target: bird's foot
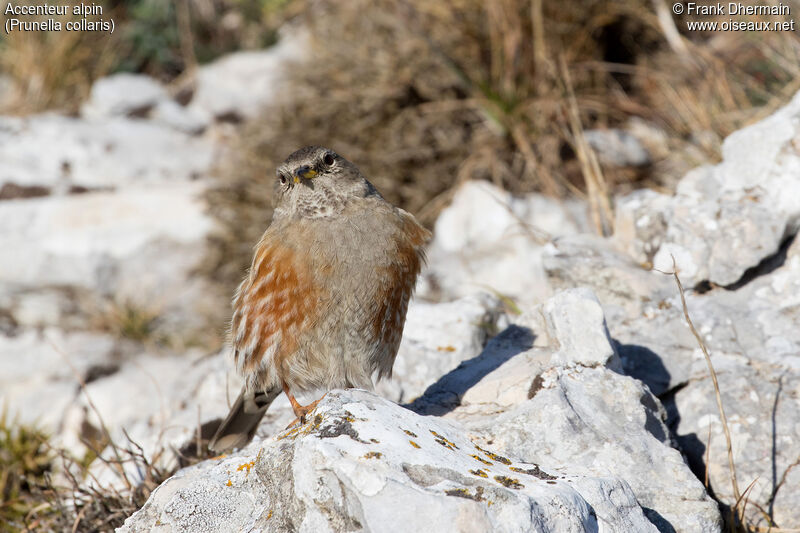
300 411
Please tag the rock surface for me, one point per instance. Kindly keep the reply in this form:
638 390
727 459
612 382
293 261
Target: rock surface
239 85
754 342
727 218
732 225
123 94
521 376
549 390
489 240
365 464
548 387
618 148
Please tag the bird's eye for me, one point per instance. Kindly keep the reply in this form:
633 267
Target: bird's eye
328 159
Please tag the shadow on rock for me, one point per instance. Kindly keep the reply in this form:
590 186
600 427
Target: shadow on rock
645 365
445 395
659 521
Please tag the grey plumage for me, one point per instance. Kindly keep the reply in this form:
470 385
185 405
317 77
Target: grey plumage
325 301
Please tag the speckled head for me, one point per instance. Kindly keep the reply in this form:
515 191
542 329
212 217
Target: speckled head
316 182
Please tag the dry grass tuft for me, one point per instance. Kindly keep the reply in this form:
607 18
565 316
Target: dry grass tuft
55 70
44 488
52 69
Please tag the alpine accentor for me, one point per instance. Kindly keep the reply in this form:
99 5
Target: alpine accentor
325 301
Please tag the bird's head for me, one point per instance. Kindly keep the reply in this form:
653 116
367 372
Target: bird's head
317 182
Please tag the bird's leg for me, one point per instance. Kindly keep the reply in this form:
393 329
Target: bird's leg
299 410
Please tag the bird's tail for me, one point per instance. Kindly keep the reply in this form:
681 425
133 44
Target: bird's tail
240 425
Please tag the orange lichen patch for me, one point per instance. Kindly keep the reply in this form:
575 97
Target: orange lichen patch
220 456
509 482
373 455
481 459
414 444
410 433
444 441
269 514
229 483
447 348
492 455
302 430
479 472
465 493
271 305
535 472
247 466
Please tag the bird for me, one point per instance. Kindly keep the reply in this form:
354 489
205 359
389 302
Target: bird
324 302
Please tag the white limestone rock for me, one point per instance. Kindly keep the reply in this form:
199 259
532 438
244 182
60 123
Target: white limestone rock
752 336
727 218
237 86
66 154
489 240
137 247
365 464
549 390
122 95
617 148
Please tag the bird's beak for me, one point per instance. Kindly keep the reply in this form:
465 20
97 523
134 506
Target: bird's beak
304 172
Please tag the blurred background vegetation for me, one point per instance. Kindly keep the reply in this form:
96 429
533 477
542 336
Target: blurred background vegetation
422 95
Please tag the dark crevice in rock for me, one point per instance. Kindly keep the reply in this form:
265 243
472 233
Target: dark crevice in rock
703 287
229 117
96 372
536 386
535 472
8 324
80 189
12 191
667 399
766 266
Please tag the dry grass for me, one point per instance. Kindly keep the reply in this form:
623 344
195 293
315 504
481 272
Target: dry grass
52 69
425 95
736 520
165 39
43 488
